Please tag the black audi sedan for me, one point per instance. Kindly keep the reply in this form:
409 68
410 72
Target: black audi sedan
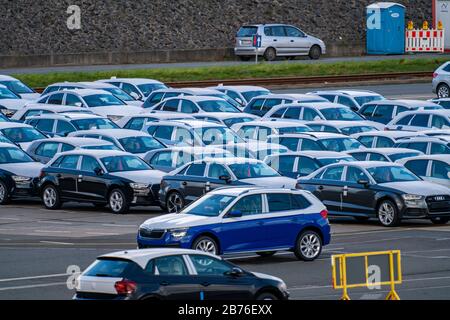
387 191
173 274
102 177
19 173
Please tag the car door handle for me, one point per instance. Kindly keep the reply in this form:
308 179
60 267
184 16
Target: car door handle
205 284
184 183
275 40
320 187
292 40
164 283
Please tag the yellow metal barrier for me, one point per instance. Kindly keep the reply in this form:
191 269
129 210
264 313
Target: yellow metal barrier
359 277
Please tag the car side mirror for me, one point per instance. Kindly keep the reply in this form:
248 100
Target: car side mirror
98 171
363 182
234 214
225 178
235 272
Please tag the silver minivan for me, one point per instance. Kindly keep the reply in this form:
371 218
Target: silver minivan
277 40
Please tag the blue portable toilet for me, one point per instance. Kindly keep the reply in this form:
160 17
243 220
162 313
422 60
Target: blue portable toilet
385 33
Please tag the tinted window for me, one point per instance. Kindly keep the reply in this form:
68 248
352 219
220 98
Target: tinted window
334 173
162 159
299 202
256 104
55 98
306 166
247 31
294 32
383 111
47 149
308 144
216 171
366 141
420 146
292 113
94 123
72 100
439 122
279 113
439 148
420 120
360 156
310 114
188 107
140 144
69 162
108 268
208 266
45 125
249 205
89 164
13 155
384 142
405 120
171 105
391 174
440 170
135 124
67 147
286 164
377 157
163 132
63 128
419 167
367 111
197 170
170 266
271 103
279 202
278 31
346 101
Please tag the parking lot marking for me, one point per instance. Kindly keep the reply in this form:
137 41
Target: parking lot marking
119 225
12 219
55 242
34 277
34 286
52 231
55 222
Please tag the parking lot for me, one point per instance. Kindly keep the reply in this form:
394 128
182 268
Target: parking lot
37 246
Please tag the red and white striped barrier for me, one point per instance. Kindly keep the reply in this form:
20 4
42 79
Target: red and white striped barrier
418 40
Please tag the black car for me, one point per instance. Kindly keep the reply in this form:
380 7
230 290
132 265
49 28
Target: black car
384 190
19 173
102 177
173 274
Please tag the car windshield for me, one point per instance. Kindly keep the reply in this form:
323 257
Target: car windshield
252 170
87 124
391 174
327 161
124 163
3 118
230 122
140 144
366 99
340 114
209 205
217 106
17 86
358 129
19 135
7 94
13 155
148 88
122 95
101 147
101 100
398 156
249 95
341 144
217 136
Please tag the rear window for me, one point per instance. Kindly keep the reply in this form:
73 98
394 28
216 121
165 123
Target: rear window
247 31
112 268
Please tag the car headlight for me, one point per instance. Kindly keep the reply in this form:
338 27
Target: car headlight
412 197
21 179
178 233
138 186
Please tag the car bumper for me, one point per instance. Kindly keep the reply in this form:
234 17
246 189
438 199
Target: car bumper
165 240
146 197
25 190
429 209
248 51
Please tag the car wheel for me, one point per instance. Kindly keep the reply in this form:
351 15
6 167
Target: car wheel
174 202
270 54
388 214
308 246
4 194
440 220
315 52
266 296
244 58
443 91
206 244
51 198
118 202
265 254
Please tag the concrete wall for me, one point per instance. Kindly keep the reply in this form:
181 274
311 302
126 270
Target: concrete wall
35 32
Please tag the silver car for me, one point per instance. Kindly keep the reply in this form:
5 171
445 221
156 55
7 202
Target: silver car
441 81
277 40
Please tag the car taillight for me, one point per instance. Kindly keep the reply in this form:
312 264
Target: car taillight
125 287
435 74
324 214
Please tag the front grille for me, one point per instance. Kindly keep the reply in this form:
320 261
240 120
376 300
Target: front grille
152 234
438 203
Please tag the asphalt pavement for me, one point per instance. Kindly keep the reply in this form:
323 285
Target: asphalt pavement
38 246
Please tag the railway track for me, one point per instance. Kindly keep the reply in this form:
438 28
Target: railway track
300 80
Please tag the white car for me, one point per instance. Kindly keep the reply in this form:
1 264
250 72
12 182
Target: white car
132 141
119 93
10 102
420 120
383 139
353 99
441 81
98 101
433 168
242 94
137 122
261 129
20 133
344 127
383 154
35 109
19 88
195 105
226 118
138 88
